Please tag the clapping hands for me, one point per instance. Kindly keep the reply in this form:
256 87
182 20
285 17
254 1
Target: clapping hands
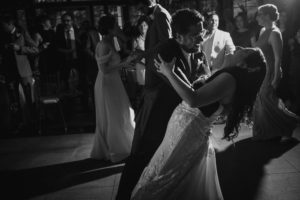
164 67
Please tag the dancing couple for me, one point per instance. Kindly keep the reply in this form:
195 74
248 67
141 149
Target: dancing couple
172 137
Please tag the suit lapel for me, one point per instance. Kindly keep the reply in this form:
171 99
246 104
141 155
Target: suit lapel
185 65
214 40
193 64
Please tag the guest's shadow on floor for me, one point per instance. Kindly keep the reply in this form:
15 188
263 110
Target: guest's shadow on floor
27 183
241 166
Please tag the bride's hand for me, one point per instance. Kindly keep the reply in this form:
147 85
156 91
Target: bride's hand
164 67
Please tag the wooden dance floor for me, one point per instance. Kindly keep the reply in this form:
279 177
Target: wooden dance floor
58 167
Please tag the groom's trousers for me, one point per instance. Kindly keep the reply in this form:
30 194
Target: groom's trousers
132 171
136 163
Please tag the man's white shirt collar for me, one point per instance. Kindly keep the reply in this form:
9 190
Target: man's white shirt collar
13 30
72 34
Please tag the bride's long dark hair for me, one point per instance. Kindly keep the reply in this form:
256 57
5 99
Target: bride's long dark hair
248 82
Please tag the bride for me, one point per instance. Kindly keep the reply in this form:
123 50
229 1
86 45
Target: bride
184 166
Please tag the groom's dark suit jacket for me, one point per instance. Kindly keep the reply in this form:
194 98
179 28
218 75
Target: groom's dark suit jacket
160 99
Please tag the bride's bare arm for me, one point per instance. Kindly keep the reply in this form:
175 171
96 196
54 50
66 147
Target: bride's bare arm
219 88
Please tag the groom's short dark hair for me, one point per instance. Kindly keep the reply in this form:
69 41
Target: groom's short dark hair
183 19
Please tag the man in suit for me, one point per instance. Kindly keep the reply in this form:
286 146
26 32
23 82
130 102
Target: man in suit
89 39
67 45
217 43
159 31
160 98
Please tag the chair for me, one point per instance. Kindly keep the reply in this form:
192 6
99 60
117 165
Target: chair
48 95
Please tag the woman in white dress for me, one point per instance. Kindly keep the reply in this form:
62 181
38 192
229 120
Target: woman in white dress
114 114
184 166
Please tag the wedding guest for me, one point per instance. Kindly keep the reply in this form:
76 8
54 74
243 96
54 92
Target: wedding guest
269 119
67 45
217 43
242 35
47 62
114 114
139 45
148 119
15 49
89 40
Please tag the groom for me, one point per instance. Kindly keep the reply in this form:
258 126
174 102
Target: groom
160 99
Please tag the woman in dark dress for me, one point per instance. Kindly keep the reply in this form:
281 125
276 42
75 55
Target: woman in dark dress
242 35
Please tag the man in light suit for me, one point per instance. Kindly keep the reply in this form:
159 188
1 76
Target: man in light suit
152 117
217 44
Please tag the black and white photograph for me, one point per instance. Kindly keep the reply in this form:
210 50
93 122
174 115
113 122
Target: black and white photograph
150 99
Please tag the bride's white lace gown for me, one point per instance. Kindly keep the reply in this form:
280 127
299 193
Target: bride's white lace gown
184 166
114 114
